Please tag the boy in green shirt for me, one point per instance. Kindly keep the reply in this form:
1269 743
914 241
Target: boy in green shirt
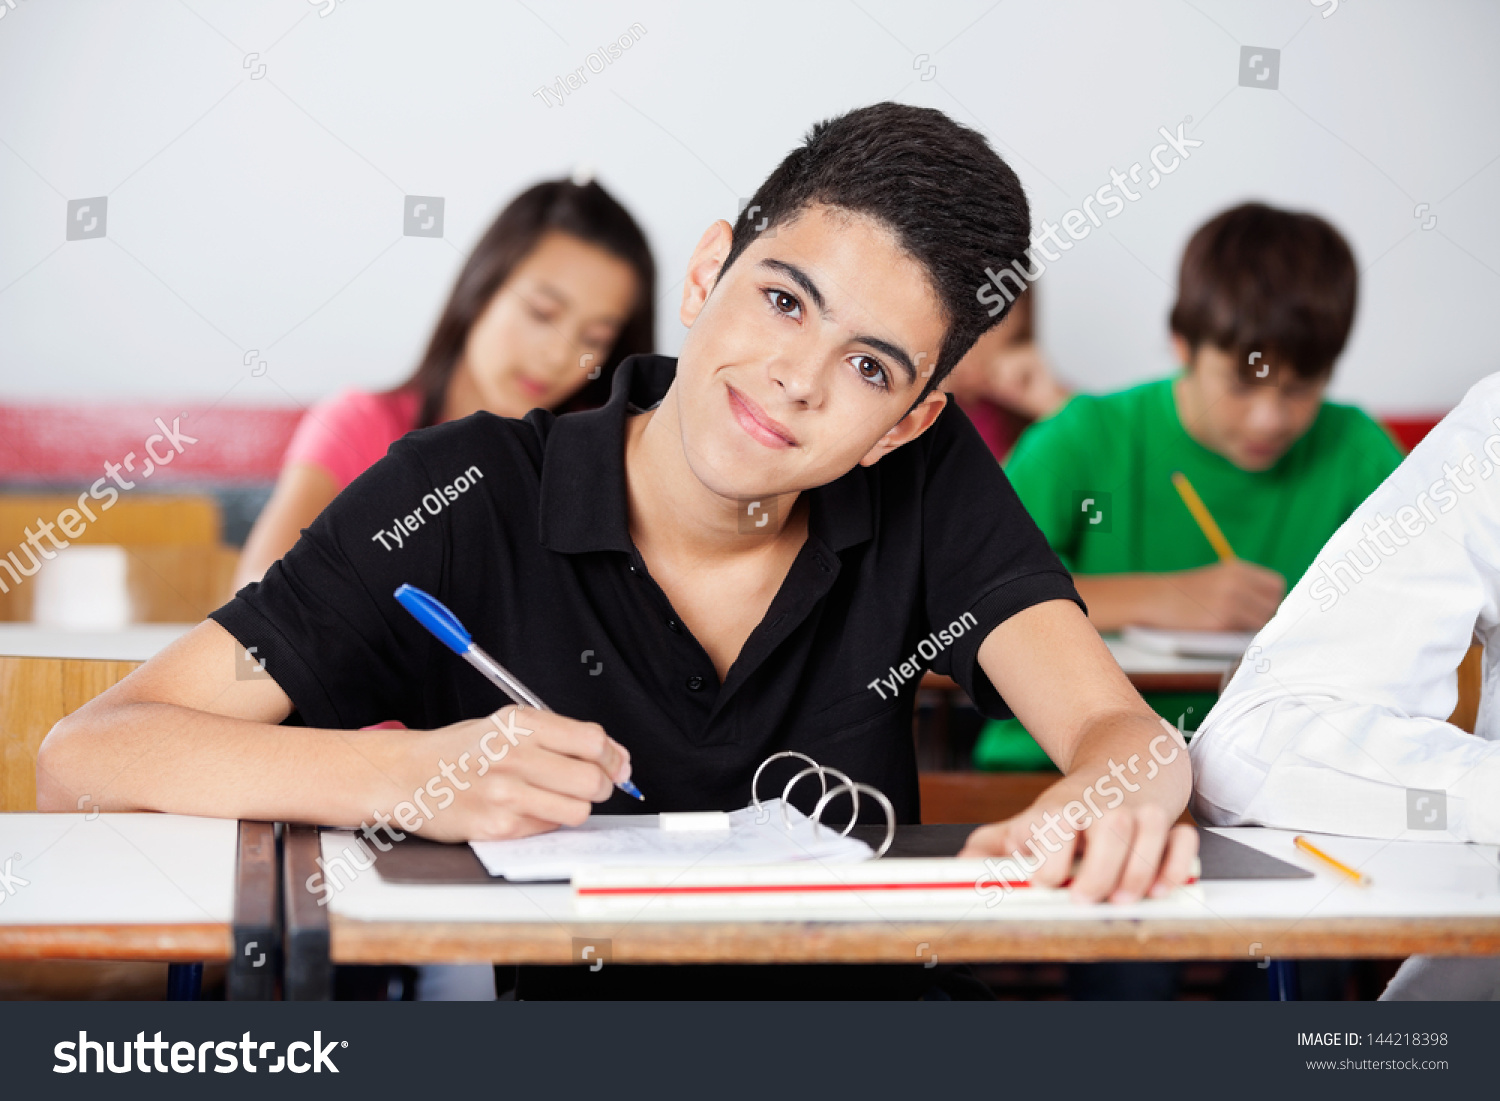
1265 301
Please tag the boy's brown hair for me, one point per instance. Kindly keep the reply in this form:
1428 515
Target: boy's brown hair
1255 279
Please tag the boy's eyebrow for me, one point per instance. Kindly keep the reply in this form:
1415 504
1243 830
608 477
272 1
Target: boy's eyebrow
803 280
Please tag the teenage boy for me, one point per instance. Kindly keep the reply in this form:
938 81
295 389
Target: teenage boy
1340 724
1264 305
720 563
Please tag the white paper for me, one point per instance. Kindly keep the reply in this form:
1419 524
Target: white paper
754 837
1189 644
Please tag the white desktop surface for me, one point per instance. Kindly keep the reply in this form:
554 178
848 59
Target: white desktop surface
138 642
118 869
1410 879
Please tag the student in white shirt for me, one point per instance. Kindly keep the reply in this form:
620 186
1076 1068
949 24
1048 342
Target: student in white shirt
1337 711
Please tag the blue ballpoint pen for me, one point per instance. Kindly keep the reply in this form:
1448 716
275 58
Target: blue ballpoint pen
431 613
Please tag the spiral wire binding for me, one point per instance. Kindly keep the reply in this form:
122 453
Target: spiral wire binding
827 795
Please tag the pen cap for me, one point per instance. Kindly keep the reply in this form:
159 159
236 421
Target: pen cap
430 613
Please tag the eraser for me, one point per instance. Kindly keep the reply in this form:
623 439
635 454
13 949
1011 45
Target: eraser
694 820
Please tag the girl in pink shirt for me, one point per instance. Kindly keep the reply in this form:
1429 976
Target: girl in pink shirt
557 292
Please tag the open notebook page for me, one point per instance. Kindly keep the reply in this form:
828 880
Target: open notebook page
753 837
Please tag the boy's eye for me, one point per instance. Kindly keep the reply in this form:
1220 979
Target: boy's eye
871 370
782 302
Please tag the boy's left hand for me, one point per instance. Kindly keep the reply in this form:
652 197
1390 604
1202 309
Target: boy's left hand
1128 852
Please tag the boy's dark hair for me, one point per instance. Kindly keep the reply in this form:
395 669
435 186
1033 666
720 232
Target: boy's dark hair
1258 279
951 202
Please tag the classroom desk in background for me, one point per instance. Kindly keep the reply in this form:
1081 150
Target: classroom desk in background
1426 898
1146 670
1153 672
160 887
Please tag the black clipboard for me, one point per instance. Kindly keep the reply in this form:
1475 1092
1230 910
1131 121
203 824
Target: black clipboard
417 860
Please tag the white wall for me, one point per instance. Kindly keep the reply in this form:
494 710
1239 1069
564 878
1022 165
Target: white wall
264 212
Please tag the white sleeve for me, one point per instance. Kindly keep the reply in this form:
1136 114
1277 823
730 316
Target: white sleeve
1335 721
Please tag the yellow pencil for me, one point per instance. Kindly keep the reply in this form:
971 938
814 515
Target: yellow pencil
1337 865
1201 514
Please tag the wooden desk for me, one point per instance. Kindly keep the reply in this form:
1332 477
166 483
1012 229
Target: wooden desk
143 887
1426 898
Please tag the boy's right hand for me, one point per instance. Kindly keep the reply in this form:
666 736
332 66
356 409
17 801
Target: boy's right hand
1233 595
515 773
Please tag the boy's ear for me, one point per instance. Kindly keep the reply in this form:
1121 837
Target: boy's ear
908 428
1181 350
703 269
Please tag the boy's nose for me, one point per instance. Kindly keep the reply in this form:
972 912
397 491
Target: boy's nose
798 378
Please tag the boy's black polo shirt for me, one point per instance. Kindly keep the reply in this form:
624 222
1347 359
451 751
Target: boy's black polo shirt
519 526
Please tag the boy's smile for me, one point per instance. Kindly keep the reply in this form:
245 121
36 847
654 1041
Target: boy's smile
753 419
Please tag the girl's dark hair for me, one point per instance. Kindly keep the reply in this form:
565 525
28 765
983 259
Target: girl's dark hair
1259 279
585 211
951 202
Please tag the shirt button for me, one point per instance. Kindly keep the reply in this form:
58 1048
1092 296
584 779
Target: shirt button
674 626
694 683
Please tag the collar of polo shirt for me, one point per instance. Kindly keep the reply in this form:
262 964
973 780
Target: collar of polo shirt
582 503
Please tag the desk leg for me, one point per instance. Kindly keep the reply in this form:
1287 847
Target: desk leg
1284 981
305 954
184 982
256 966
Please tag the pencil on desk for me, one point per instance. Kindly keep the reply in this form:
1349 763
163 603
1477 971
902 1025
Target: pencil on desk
1201 514
1337 865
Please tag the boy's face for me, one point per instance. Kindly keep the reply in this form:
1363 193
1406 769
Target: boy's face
803 359
1251 422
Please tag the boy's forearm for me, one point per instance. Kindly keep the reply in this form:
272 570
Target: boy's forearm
163 757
